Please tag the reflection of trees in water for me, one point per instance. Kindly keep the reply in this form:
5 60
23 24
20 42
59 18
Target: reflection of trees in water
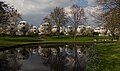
58 58
10 60
72 58
23 54
33 50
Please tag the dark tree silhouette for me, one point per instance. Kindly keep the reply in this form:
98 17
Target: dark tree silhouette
8 14
77 17
48 20
58 17
112 14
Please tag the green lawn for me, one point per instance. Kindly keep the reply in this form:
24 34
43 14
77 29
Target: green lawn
10 41
108 57
78 38
7 40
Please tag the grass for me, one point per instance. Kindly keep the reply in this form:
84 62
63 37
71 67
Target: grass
7 40
20 39
108 57
78 38
10 41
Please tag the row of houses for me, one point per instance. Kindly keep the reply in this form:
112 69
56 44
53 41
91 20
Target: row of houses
23 28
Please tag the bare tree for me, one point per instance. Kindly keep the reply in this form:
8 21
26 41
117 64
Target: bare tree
48 20
110 22
13 21
76 18
8 15
112 14
58 16
3 12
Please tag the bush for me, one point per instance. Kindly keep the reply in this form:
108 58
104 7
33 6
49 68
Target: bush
96 33
31 34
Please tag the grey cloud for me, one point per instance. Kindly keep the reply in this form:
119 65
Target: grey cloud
93 11
91 2
36 6
35 10
34 19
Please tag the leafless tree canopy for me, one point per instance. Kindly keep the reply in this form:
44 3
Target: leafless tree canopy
112 14
58 17
77 17
8 14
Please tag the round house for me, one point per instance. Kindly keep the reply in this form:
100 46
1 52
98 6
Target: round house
89 31
69 30
23 27
80 29
34 29
44 29
11 29
103 31
54 29
97 30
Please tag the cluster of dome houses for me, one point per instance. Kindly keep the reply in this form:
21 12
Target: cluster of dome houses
23 28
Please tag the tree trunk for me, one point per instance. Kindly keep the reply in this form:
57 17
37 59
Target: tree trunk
58 29
119 38
58 33
24 33
75 31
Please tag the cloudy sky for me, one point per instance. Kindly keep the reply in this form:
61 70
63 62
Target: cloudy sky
34 11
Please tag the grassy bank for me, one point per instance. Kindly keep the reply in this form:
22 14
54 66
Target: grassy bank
78 38
108 57
9 41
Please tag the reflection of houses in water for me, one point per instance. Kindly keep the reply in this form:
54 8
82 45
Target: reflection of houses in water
53 51
66 57
23 54
9 61
43 51
10 53
65 50
34 50
58 58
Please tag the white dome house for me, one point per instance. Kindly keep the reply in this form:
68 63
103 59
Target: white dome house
69 29
22 27
79 29
103 31
34 29
44 29
54 29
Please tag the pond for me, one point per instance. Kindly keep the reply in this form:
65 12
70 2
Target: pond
52 57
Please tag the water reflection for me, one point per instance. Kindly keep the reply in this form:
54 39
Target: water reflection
48 58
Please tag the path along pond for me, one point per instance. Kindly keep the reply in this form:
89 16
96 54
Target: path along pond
49 57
